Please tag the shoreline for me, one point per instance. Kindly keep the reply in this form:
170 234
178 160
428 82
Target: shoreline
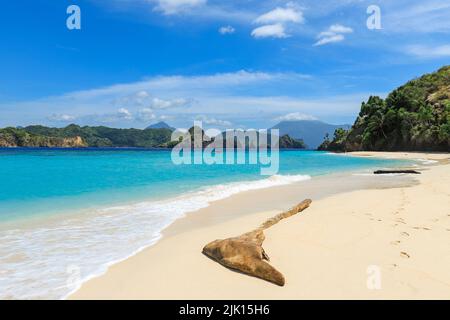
99 238
209 218
204 218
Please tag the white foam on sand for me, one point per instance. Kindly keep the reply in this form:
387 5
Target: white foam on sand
52 261
427 161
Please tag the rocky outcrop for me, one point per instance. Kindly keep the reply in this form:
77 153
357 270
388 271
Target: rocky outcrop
245 252
12 137
75 142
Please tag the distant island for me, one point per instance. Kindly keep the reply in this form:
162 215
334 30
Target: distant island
74 136
311 132
414 117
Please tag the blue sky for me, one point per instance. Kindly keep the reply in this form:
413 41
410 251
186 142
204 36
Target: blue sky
236 64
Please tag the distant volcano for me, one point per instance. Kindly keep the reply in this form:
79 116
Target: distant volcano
160 125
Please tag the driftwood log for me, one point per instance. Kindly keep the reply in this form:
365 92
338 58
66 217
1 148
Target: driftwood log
396 171
245 252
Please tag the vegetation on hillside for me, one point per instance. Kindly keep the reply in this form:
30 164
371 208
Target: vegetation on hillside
197 138
415 116
13 137
40 136
76 136
286 142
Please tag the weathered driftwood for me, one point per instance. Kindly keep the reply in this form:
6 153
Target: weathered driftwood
245 252
396 171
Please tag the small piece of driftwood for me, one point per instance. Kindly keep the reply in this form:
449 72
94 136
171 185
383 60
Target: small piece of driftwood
245 252
396 171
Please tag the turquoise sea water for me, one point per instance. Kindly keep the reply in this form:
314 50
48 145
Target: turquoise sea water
91 208
42 181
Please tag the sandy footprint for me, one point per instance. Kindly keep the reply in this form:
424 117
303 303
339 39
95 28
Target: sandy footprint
422 228
405 255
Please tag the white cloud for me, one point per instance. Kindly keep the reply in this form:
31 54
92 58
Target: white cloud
279 15
170 7
334 33
338 28
138 98
145 114
157 103
143 99
270 31
295 116
166 85
142 94
429 52
61 117
213 121
226 30
177 97
123 113
330 39
274 22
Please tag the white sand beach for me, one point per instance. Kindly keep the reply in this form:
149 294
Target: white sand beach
378 238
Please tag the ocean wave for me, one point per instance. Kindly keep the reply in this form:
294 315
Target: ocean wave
52 261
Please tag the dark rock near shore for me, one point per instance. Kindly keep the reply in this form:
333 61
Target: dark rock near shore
396 171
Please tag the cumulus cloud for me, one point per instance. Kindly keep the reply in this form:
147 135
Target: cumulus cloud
295 116
145 114
157 103
170 7
123 113
279 15
61 117
220 93
213 121
270 31
274 22
120 115
139 98
338 28
143 99
334 33
226 30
